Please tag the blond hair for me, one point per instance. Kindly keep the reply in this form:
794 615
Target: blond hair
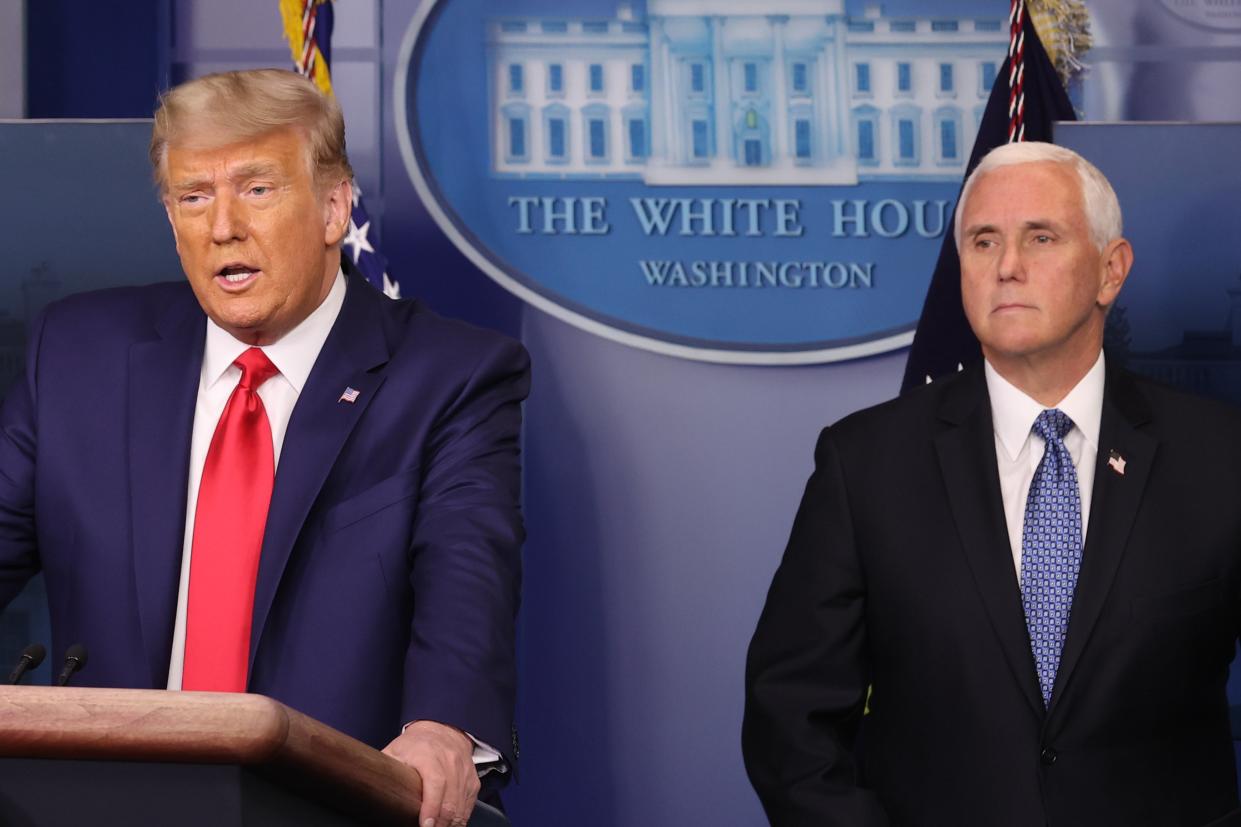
1099 200
228 107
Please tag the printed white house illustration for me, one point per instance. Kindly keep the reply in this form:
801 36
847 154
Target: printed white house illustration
740 92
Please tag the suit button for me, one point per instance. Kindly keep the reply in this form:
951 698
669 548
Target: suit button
1048 757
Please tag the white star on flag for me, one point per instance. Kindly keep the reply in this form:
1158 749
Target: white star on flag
310 57
357 240
391 289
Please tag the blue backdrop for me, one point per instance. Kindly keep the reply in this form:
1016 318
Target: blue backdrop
658 492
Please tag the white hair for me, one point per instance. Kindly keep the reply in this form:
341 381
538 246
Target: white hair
1099 200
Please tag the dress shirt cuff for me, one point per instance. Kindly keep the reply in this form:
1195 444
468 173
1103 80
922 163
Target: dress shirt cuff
486 758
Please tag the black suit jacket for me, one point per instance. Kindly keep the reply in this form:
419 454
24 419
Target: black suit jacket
899 577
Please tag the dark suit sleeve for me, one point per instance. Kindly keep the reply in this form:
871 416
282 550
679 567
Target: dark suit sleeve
18 548
807 670
466 568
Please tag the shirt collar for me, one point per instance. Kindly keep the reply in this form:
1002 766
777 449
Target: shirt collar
1013 412
294 354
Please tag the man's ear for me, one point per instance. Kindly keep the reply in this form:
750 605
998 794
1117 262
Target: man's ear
1116 260
337 207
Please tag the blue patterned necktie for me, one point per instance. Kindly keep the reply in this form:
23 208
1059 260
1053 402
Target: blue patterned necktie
1051 548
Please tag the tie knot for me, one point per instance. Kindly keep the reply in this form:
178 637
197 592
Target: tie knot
256 368
1052 425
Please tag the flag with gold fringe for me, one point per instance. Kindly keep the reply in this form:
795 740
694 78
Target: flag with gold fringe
1026 101
308 28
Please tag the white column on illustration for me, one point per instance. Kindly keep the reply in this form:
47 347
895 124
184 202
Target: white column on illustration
672 124
780 94
721 96
841 90
659 71
828 103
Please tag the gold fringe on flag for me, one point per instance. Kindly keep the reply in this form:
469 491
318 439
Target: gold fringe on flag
1064 28
293 13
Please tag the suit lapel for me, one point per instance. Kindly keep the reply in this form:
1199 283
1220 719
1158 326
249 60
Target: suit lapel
966 449
163 389
352 357
1114 505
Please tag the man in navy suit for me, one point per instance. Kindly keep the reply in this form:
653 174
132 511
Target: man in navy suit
273 478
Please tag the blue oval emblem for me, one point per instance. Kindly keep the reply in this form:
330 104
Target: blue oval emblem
760 181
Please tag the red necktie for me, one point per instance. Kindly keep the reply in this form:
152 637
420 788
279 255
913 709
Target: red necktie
228 535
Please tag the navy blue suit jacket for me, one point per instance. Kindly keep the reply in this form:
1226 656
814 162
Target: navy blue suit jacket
390 570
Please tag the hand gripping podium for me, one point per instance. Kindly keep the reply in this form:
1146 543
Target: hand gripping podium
148 757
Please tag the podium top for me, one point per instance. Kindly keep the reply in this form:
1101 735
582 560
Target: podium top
208 728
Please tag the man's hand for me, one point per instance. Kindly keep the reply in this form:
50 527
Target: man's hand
443 756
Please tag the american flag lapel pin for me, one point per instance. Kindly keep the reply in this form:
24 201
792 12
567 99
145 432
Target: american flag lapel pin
351 395
1116 462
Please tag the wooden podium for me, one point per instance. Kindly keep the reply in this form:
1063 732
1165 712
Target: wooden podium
149 757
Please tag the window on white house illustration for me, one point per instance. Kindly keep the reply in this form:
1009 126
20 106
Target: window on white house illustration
751 77
904 77
987 72
866 140
596 77
948 139
516 78
517 138
555 78
557 132
862 78
638 77
697 77
700 142
801 81
945 77
801 139
597 135
637 138
906 140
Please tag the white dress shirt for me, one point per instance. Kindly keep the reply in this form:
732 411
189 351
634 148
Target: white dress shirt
294 354
1018 449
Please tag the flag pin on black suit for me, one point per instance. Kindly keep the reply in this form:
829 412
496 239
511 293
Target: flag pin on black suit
1116 462
350 395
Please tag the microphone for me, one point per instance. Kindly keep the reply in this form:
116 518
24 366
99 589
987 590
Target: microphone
31 657
75 659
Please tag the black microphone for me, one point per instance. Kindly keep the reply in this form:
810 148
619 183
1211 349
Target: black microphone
75 659
31 657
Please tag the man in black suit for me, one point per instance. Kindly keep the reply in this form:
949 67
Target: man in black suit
1020 583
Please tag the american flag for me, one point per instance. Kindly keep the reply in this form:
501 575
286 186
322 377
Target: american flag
1027 99
350 395
308 27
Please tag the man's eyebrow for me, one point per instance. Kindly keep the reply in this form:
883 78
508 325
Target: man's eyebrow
255 169
187 184
243 172
979 229
1041 224
1032 224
